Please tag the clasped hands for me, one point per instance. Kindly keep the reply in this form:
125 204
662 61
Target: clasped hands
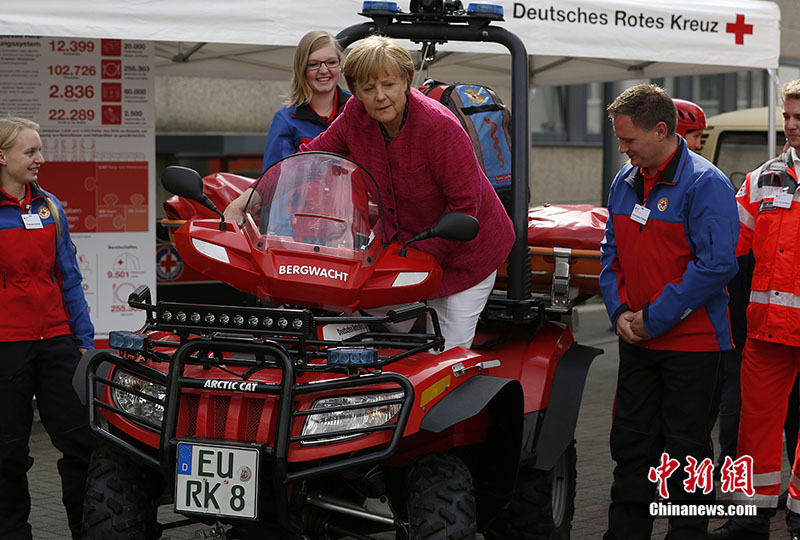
630 327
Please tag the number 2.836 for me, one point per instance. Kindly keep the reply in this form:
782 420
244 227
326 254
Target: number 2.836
72 91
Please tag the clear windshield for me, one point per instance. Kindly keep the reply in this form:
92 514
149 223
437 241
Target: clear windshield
318 202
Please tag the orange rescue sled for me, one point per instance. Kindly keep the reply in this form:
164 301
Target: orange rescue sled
564 245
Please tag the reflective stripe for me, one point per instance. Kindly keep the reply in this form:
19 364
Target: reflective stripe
795 481
778 298
746 218
763 501
767 479
793 504
752 181
757 194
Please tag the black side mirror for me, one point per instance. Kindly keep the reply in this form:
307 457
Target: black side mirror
187 183
450 226
455 226
183 182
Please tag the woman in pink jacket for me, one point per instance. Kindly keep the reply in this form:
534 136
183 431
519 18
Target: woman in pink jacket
424 165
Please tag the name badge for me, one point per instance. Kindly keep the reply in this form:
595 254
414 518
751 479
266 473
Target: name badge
783 200
31 221
640 214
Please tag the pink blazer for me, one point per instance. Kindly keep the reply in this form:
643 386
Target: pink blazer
429 168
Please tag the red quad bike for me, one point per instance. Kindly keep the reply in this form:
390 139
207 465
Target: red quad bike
306 416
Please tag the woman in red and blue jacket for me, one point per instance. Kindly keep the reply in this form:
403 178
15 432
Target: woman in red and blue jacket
44 329
315 98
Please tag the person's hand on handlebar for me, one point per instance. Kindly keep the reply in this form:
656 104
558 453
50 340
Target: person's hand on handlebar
235 210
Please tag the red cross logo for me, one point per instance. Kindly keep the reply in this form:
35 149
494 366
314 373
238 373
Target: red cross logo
168 262
739 29
169 265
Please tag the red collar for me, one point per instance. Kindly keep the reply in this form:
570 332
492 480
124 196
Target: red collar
329 119
657 176
25 200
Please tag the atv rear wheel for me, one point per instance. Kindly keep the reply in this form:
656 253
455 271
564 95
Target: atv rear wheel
542 505
441 499
118 502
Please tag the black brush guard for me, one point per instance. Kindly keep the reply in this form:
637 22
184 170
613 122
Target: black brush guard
287 391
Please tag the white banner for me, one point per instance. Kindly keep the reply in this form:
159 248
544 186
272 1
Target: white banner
743 33
713 32
94 101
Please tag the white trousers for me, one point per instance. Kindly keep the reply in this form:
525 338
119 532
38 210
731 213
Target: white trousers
458 314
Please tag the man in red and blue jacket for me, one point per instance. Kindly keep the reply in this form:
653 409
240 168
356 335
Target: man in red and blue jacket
668 252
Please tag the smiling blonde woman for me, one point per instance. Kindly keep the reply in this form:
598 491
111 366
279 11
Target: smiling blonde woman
45 327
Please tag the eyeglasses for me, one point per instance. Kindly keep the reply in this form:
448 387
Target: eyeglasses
331 63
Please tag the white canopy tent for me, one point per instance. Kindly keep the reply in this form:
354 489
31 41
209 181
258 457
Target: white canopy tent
569 41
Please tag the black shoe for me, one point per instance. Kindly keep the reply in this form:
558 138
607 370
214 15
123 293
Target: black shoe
733 530
794 535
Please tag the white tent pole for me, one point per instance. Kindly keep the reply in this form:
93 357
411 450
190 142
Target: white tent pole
773 88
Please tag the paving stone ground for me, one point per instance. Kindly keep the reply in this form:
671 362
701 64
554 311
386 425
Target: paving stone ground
594 460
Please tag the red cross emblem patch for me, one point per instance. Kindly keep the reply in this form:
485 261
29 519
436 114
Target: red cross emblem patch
169 265
662 204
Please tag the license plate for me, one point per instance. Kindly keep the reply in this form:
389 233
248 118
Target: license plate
219 480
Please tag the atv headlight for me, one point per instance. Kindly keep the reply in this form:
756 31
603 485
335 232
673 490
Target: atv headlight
373 414
137 405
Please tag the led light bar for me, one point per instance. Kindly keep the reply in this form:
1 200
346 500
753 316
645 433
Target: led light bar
352 356
205 318
127 341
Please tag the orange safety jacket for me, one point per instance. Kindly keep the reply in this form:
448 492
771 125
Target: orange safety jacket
773 233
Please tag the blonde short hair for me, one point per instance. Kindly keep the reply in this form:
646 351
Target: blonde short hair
374 56
9 130
791 90
299 90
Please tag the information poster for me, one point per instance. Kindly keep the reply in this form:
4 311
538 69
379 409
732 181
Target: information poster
93 99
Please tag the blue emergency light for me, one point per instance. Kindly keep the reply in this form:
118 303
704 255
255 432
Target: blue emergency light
352 356
485 10
371 8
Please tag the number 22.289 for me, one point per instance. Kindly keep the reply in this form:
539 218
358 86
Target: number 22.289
73 114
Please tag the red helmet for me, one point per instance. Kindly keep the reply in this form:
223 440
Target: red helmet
690 116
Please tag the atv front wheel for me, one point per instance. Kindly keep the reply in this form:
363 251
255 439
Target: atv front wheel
542 505
118 502
441 499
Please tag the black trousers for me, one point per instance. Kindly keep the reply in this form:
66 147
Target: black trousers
730 405
665 403
42 368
